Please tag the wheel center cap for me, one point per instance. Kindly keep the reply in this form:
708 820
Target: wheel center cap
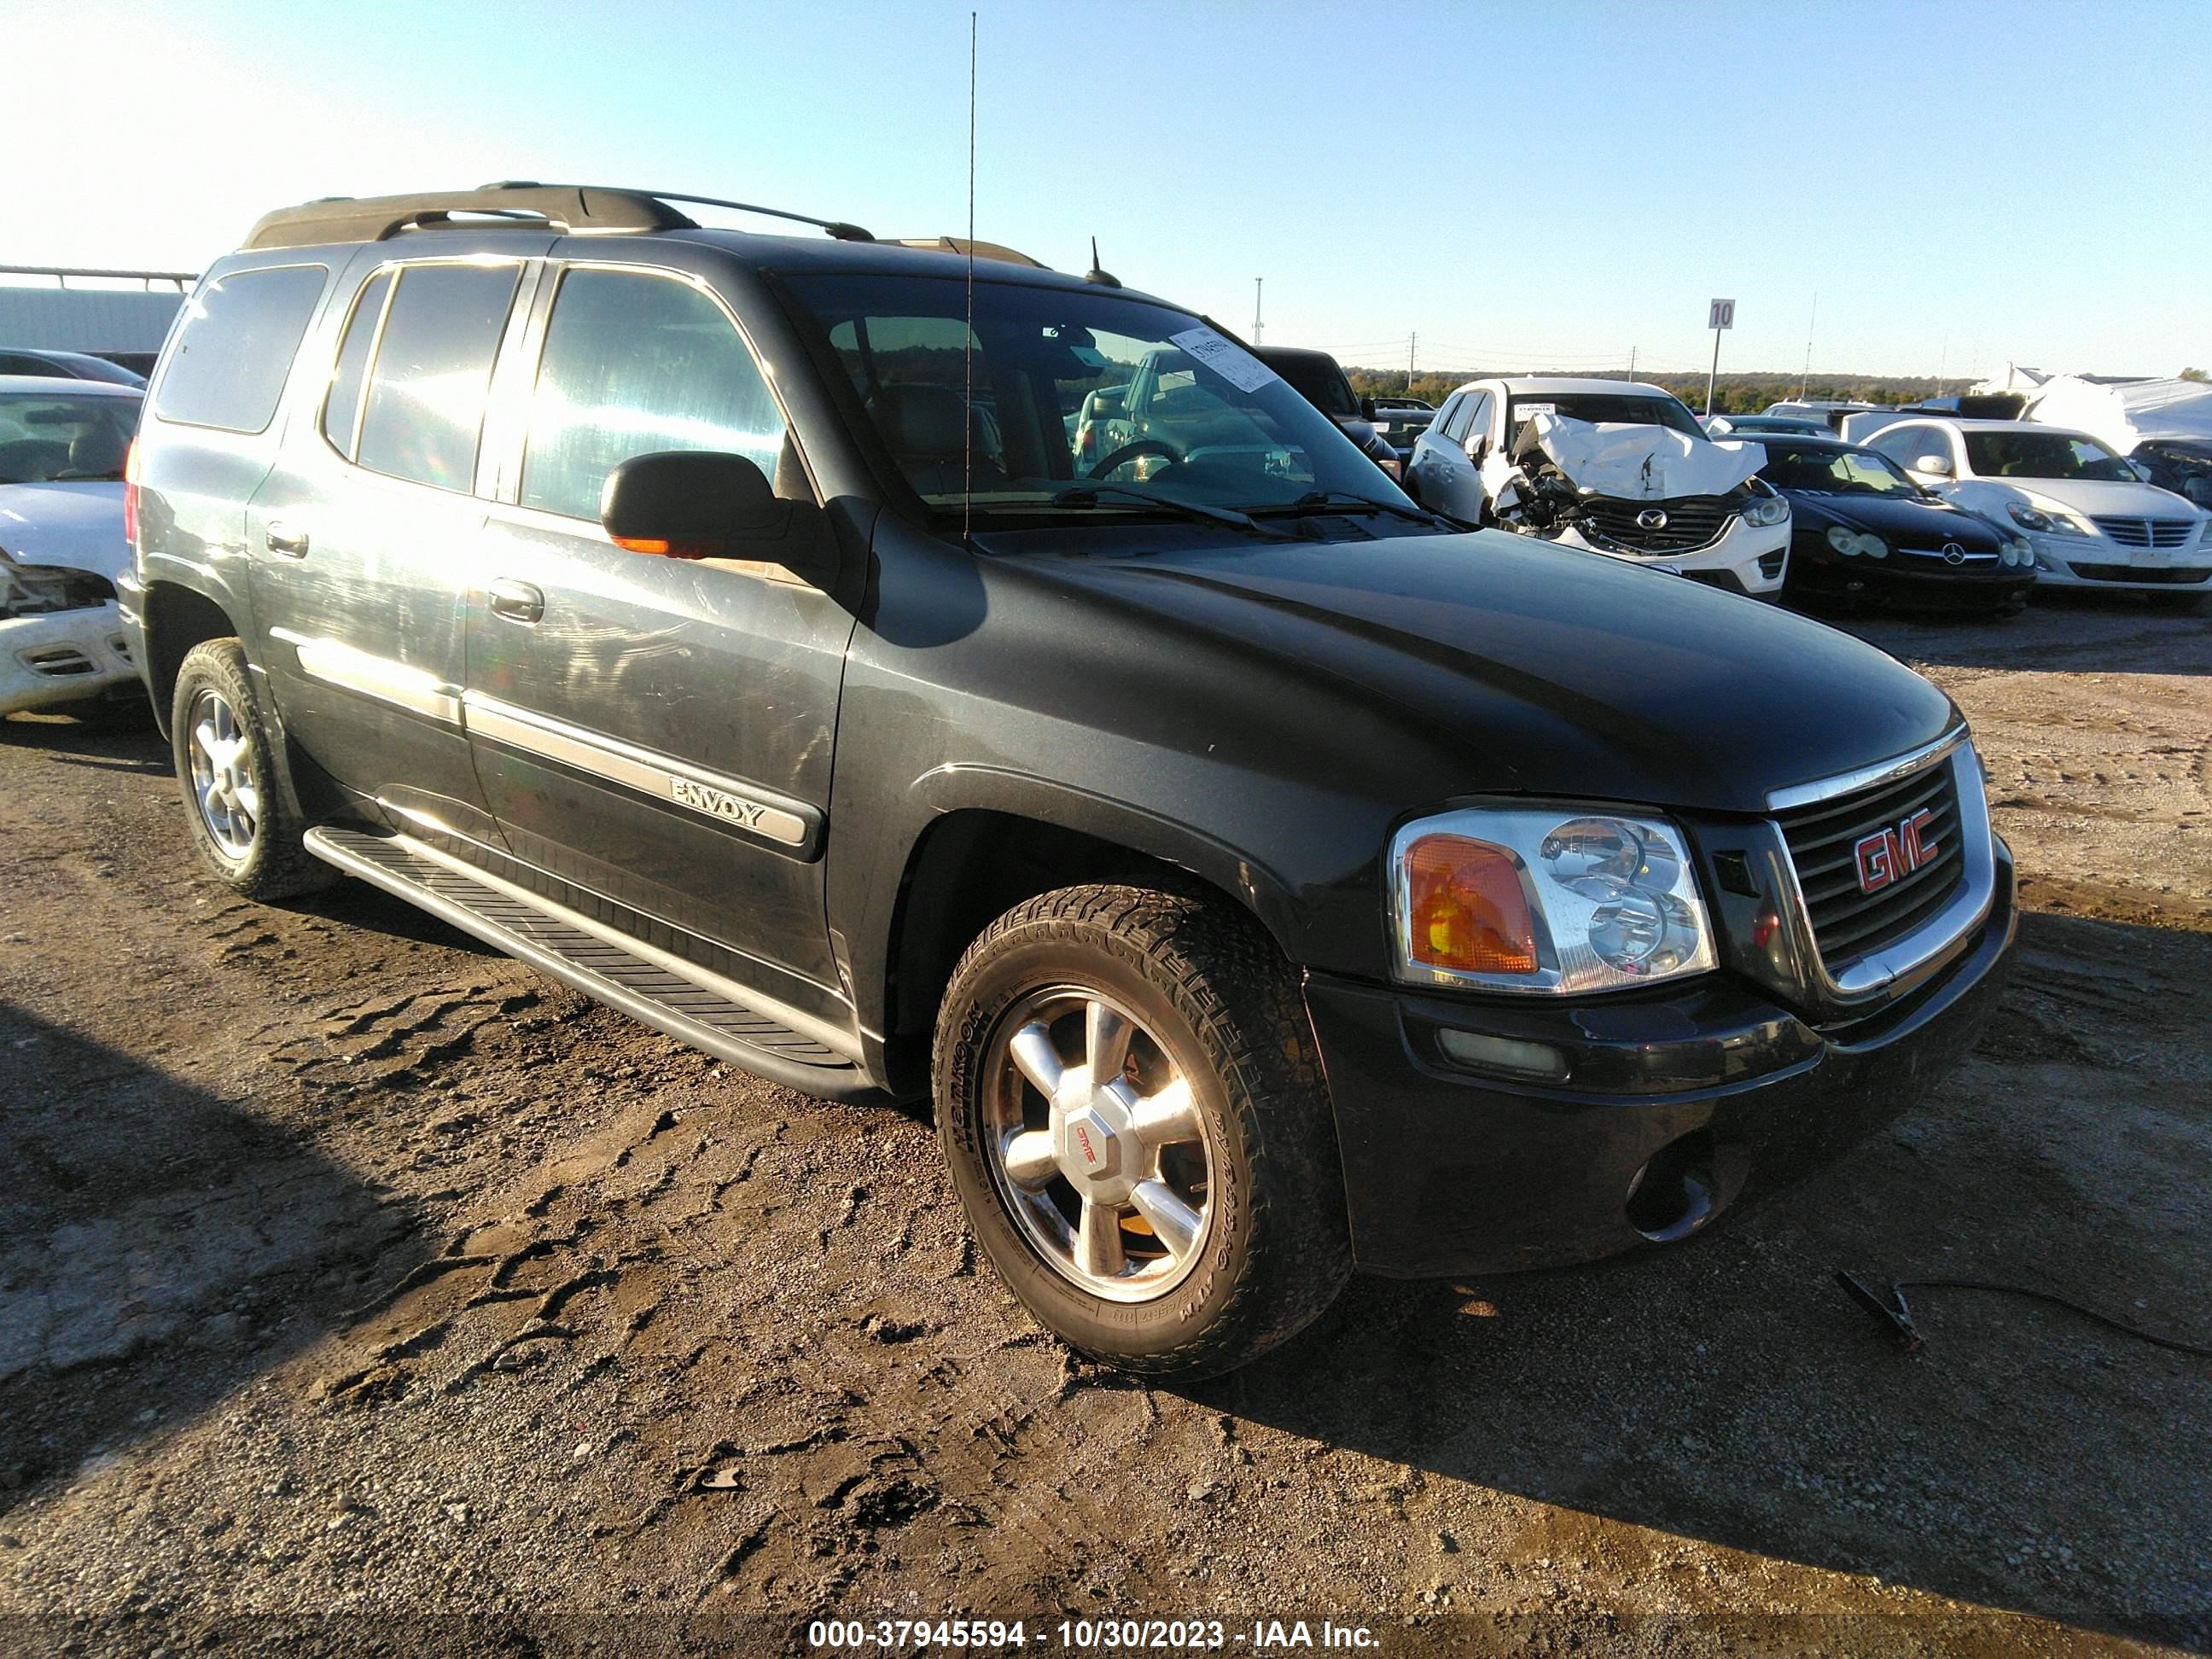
1092 1142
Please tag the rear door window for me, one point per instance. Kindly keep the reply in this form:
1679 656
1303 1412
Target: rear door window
235 349
635 363
425 406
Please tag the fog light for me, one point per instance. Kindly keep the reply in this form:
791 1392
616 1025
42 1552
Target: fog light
1498 1053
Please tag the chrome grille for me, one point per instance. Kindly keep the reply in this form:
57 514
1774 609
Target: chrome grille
2148 532
1823 838
1692 521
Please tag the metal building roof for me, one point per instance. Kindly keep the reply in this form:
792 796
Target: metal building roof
85 319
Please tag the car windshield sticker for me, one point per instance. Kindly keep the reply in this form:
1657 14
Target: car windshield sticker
1529 411
1225 358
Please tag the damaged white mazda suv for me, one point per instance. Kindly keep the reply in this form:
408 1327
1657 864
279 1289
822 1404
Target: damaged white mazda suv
62 542
1610 466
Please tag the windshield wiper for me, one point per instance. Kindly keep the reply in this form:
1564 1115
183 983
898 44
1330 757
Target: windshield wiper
1316 500
1087 494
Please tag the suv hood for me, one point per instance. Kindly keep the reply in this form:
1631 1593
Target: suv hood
1523 666
74 526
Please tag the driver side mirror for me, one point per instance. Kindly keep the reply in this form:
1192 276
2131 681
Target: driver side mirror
1478 449
707 504
1367 409
1935 467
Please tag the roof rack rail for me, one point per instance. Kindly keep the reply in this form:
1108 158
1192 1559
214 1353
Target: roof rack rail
562 208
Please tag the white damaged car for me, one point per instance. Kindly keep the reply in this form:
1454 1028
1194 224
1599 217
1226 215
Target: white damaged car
63 544
1610 466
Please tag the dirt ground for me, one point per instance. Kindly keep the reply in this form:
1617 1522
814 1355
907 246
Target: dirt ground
346 1269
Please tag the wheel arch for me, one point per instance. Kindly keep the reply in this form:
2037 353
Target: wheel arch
177 618
998 838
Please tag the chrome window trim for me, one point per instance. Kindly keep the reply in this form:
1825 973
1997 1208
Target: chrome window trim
335 663
1888 771
742 805
1903 962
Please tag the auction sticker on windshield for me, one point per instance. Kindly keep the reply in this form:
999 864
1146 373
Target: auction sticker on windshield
1224 357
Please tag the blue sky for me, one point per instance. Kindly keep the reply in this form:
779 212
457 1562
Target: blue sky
1521 184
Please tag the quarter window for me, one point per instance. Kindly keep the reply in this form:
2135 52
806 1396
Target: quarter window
341 407
235 349
426 389
634 364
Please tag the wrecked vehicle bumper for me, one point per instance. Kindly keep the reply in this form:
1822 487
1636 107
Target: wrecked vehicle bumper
1673 1108
62 657
1745 558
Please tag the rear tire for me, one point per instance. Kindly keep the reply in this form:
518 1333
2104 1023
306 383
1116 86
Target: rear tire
235 812
1203 1010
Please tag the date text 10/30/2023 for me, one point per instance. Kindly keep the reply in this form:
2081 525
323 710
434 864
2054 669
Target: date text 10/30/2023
1089 1635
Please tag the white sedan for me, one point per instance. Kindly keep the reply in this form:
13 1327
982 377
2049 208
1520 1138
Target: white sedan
2088 515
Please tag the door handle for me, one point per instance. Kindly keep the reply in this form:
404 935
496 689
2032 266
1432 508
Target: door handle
279 537
519 602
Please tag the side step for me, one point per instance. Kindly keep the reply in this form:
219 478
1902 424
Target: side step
688 1003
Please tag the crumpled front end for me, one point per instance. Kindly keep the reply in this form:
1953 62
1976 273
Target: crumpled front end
61 638
1648 495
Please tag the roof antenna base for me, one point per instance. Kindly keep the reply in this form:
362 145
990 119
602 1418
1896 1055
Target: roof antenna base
1104 279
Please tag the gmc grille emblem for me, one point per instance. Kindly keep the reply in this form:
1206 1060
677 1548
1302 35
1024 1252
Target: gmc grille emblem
1887 855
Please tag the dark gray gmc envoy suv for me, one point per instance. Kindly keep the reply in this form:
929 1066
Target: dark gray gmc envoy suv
1265 878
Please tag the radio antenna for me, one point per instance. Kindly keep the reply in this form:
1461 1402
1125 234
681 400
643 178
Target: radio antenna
968 413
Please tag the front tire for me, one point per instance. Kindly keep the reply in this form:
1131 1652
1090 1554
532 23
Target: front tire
1131 1104
236 810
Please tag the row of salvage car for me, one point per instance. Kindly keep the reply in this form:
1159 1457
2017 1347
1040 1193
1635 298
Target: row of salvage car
1933 509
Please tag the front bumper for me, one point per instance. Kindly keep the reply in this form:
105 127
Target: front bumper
62 657
1745 558
2096 562
1905 577
1448 1170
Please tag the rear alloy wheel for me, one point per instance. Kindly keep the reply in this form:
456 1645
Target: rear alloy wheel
1132 1107
235 812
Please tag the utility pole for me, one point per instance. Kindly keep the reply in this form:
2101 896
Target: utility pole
1632 362
1807 374
1257 288
1412 340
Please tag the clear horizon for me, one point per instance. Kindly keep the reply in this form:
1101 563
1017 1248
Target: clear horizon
1960 187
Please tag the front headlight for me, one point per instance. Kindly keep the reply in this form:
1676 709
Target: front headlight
1549 901
2019 553
1767 510
2050 521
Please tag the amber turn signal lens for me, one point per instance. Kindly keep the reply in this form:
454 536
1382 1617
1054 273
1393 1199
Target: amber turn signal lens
1469 911
666 549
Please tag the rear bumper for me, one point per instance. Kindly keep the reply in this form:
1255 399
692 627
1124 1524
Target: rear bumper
1448 1170
62 657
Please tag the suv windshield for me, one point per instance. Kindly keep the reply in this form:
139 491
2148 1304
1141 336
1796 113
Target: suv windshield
1825 471
49 435
2044 455
1595 406
1071 387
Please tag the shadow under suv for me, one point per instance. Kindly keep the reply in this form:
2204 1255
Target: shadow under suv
1264 878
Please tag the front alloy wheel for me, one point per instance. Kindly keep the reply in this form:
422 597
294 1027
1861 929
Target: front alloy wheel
1132 1112
1101 1154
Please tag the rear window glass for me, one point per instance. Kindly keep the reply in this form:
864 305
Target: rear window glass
426 392
236 347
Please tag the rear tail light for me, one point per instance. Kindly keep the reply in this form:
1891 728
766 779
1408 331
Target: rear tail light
130 496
